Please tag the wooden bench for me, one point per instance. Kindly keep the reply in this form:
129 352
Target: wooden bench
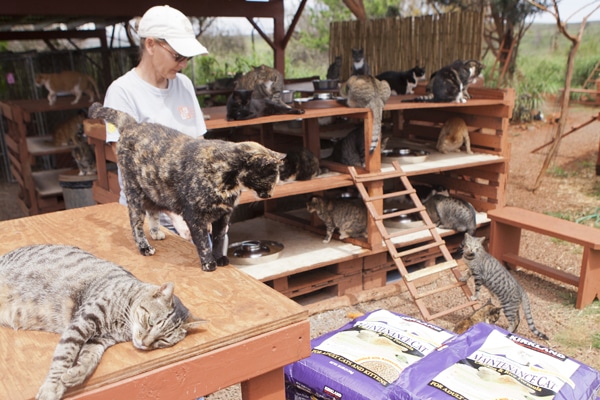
505 237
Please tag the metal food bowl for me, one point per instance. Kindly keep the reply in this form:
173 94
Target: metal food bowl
287 96
254 251
402 221
404 155
325 84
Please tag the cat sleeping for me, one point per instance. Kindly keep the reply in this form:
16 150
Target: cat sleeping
403 82
92 303
349 216
199 179
489 272
72 82
452 136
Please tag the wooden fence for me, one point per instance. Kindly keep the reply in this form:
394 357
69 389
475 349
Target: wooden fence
399 44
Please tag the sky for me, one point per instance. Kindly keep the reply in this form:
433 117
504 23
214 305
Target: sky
569 9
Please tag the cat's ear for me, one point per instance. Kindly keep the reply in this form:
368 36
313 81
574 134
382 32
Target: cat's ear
166 292
481 239
194 323
278 155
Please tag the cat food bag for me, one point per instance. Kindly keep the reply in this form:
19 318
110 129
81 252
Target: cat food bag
364 358
489 363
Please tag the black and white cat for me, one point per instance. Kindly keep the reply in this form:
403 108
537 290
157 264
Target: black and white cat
450 83
359 63
403 82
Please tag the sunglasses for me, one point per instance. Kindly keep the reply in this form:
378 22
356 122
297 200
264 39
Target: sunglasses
176 56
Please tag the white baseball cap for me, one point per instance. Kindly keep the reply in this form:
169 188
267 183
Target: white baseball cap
164 22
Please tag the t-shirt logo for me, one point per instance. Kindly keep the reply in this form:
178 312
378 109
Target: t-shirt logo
185 113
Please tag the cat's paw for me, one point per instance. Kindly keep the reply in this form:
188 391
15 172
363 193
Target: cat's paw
222 261
209 266
147 250
157 234
75 375
50 391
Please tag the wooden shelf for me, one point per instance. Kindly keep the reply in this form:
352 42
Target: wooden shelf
42 146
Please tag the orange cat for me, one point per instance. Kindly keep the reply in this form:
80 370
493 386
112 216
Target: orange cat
72 82
452 136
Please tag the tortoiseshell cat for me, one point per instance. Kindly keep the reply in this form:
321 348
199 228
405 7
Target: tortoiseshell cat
452 136
488 313
359 63
349 216
450 83
350 150
335 69
199 179
403 82
299 165
241 105
92 303
73 82
367 91
66 131
84 155
489 272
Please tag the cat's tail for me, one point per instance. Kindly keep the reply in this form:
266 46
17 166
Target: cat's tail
428 98
115 117
529 317
376 133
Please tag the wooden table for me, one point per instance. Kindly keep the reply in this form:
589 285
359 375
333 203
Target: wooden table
254 330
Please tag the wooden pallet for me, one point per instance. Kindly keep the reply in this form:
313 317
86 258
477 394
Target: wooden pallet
401 257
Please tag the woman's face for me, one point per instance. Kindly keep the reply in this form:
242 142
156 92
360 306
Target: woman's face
166 61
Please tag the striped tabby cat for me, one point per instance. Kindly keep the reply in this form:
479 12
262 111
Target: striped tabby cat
91 302
451 213
489 272
349 216
367 91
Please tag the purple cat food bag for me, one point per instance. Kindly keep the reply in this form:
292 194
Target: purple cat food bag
489 363
364 358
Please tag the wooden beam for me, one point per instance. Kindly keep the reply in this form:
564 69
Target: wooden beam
357 8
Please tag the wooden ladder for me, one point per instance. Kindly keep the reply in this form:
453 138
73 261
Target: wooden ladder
433 241
593 76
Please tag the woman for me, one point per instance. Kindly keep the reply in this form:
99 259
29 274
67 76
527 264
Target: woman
155 90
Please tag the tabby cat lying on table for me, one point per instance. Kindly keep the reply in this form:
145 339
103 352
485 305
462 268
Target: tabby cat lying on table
199 179
92 303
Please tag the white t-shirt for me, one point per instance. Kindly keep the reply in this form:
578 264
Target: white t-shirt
176 106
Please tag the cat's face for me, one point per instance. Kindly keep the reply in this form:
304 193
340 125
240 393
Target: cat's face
314 204
261 172
475 68
471 246
419 72
358 54
160 319
41 79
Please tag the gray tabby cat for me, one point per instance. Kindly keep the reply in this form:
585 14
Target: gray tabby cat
349 216
299 165
451 213
335 69
91 302
199 179
489 272
350 150
366 91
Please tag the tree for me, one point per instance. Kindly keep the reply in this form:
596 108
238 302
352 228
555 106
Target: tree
564 103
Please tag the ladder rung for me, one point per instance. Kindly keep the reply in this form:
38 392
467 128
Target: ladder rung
421 273
420 248
408 231
401 212
377 176
451 310
390 195
441 289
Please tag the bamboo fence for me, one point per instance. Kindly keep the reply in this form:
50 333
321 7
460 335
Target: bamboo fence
399 44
